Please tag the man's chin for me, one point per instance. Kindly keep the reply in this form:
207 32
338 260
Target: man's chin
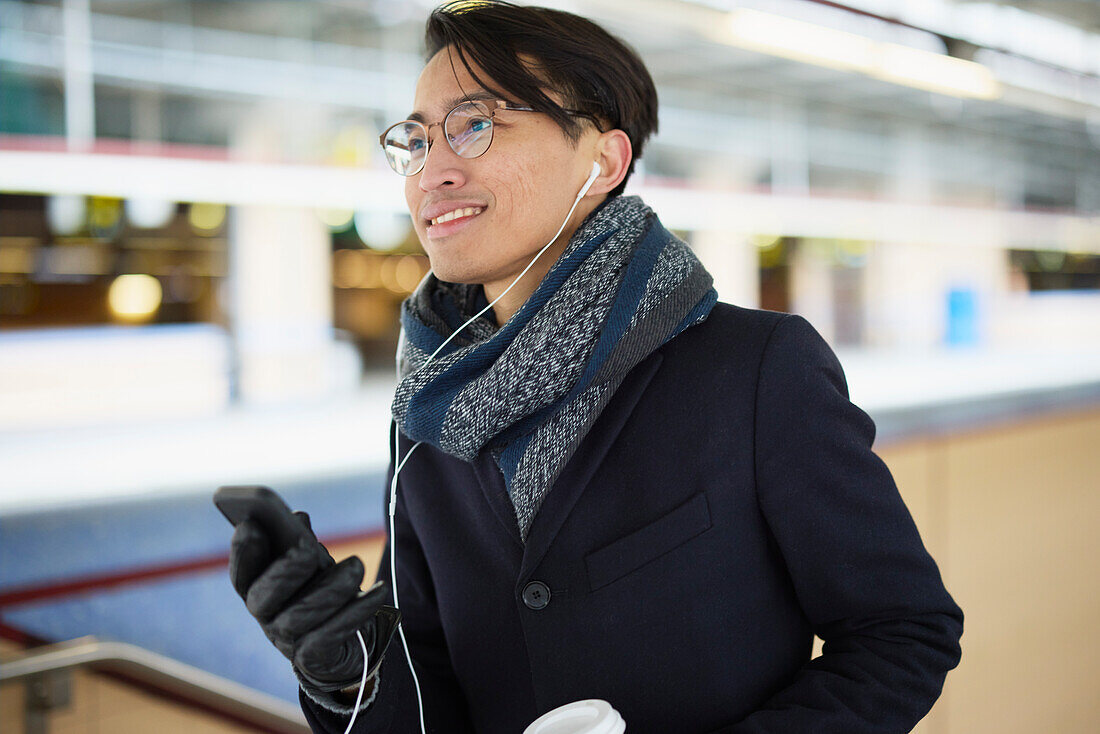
455 275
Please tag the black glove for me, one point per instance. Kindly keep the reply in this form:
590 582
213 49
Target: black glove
310 607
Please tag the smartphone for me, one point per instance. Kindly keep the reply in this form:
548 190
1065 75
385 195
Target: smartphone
266 508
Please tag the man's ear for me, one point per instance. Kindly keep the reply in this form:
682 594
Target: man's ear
613 153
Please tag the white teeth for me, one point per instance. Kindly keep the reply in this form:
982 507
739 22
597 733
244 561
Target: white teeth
467 212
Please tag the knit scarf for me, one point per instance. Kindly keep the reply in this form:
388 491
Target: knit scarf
530 390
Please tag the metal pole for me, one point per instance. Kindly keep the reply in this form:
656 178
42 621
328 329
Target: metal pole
79 81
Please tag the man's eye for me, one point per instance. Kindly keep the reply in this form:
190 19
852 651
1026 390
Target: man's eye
479 125
416 144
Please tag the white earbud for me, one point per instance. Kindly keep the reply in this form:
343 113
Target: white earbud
596 171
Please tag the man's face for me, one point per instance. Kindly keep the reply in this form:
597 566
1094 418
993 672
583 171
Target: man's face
509 201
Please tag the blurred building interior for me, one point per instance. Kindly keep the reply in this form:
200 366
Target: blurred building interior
203 254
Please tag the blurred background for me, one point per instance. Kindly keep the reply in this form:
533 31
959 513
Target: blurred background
203 253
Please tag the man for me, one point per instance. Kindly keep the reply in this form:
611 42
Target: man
620 489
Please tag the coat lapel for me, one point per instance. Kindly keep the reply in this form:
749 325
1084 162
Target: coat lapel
582 465
496 494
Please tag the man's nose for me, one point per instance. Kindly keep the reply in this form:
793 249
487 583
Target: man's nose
442 166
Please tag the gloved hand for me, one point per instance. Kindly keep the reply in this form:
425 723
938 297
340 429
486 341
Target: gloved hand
310 607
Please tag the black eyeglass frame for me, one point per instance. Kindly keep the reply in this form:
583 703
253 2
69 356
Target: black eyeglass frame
497 105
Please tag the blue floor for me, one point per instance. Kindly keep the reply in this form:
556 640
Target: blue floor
196 618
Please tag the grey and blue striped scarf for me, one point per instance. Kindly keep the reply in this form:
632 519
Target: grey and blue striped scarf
530 390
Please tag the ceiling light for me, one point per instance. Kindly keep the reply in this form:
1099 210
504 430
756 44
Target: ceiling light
801 41
816 44
935 72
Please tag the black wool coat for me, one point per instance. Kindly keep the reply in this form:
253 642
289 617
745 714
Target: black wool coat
724 508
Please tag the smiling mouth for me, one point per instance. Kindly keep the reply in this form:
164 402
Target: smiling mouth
456 214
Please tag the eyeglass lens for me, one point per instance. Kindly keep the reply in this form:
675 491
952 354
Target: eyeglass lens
468 128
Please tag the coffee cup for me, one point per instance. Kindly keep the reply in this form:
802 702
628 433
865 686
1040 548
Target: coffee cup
592 716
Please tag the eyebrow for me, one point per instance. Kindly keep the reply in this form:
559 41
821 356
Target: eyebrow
479 96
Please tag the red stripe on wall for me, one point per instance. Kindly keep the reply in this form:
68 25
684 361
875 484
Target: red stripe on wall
142 574
71 587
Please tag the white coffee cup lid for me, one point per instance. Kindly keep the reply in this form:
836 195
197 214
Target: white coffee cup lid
593 716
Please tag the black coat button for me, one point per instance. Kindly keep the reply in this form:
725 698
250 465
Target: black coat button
536 595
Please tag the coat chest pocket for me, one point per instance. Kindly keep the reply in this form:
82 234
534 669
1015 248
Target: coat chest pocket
649 543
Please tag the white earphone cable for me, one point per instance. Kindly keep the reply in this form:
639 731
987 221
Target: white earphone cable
362 681
397 469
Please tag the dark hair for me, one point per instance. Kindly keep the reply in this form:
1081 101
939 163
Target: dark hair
525 50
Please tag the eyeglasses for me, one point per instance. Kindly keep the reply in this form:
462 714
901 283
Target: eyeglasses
468 129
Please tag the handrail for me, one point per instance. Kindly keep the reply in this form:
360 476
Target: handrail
171 676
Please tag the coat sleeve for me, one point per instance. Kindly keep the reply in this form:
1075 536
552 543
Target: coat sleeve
859 569
394 705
